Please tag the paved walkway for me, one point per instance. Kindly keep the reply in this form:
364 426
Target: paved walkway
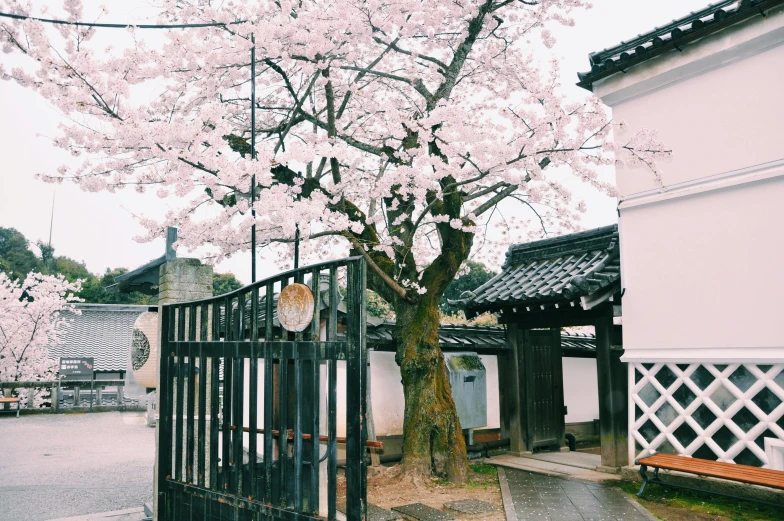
552 498
61 465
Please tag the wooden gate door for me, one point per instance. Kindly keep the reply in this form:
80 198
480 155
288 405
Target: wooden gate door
241 432
543 377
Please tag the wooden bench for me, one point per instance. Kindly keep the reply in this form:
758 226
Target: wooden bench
10 399
715 469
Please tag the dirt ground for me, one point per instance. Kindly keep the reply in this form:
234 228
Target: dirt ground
388 487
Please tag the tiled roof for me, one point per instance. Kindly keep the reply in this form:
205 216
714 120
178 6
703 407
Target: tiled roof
451 337
578 343
672 36
549 271
476 338
101 331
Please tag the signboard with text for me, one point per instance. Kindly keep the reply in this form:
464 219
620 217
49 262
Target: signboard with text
74 368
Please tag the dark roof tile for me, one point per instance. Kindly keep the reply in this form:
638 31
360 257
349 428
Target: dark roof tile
552 270
672 36
101 331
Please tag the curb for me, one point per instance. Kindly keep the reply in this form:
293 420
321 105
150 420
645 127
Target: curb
506 496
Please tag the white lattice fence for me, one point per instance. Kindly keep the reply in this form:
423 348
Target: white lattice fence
711 411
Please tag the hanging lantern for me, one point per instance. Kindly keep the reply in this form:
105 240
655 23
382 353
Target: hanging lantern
144 350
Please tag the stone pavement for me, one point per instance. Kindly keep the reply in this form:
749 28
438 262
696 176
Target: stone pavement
552 498
60 465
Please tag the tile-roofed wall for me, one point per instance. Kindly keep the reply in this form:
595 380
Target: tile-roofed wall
101 331
672 36
470 338
552 270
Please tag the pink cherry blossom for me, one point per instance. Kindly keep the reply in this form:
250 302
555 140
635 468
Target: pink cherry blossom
31 319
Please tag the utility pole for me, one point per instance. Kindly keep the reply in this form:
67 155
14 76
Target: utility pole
253 156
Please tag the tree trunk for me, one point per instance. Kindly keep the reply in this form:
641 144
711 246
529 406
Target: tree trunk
432 439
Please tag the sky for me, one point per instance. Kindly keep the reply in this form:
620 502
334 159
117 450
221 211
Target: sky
99 228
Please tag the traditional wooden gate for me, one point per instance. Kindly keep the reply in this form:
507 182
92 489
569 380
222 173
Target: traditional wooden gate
247 431
543 378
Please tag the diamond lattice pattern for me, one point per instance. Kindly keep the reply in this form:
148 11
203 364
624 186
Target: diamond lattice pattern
712 411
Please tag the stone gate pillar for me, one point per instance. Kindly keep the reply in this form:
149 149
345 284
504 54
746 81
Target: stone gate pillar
180 280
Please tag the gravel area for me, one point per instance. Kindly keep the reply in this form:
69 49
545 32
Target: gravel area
60 465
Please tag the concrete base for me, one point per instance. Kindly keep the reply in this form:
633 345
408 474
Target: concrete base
720 486
130 514
526 454
550 468
608 470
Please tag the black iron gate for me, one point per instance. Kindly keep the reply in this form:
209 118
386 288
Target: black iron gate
242 433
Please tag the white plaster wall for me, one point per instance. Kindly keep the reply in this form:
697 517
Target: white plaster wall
386 393
702 260
703 274
718 121
581 391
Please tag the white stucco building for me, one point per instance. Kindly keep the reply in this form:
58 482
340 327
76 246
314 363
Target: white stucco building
702 256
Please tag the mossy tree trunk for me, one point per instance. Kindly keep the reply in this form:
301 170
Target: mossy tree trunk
432 437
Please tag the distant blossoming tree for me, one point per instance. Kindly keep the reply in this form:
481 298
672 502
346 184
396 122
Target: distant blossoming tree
30 316
391 130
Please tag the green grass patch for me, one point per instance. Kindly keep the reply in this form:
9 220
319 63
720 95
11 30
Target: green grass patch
484 468
705 503
480 475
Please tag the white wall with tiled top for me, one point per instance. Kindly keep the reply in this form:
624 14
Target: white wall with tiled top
702 254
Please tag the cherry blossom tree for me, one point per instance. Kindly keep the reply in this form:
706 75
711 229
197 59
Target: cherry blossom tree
30 321
399 131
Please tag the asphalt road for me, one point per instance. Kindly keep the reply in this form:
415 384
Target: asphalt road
61 465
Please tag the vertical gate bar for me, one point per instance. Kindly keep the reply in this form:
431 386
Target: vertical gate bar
283 429
297 389
189 439
214 397
332 327
356 375
180 391
298 433
227 388
191 398
164 417
253 389
332 379
315 450
239 388
202 429
332 446
268 393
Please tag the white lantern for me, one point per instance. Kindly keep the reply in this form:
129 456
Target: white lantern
144 350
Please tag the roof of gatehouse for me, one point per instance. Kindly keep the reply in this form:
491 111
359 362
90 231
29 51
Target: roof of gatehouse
580 269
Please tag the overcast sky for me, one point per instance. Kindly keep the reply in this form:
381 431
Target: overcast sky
98 228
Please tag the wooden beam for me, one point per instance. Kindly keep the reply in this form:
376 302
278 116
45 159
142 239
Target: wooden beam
564 317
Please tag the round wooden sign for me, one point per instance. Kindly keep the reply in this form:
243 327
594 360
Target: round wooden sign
295 307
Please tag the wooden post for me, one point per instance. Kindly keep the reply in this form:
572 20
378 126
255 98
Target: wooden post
509 392
613 396
77 397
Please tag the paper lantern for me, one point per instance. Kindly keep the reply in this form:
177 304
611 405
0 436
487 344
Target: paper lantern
144 350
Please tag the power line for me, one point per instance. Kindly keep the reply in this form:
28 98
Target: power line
119 26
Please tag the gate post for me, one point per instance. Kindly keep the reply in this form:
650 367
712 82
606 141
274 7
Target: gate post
613 398
356 394
509 392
